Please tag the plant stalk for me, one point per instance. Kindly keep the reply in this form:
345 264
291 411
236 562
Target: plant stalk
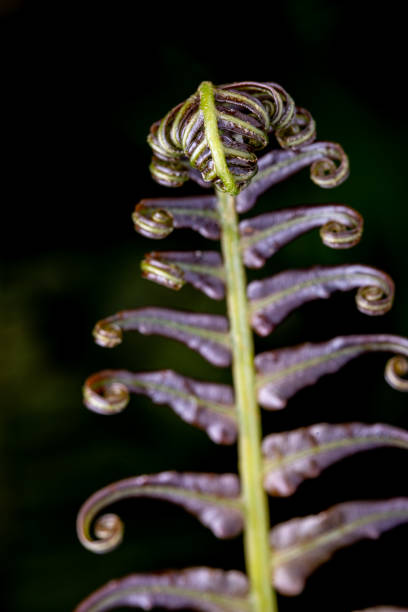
256 534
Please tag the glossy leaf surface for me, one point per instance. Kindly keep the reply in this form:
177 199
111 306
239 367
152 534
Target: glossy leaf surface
262 236
213 498
202 269
156 218
204 333
329 168
197 588
302 544
208 406
274 298
283 372
294 456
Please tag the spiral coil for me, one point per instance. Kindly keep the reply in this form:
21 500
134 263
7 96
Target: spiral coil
375 300
244 114
396 369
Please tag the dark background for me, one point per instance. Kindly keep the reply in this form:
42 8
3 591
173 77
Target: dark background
81 84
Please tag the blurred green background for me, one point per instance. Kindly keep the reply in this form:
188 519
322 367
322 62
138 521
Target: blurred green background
82 83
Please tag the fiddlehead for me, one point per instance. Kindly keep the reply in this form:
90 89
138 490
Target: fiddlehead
213 498
223 148
272 299
329 167
206 334
341 227
156 223
202 269
301 131
213 138
395 371
157 218
208 406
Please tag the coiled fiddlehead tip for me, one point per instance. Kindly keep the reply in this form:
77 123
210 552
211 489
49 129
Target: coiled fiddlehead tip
107 334
217 131
105 396
395 370
108 530
166 274
338 235
333 170
300 132
374 300
152 223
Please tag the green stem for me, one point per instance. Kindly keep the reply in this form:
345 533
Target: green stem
257 552
207 107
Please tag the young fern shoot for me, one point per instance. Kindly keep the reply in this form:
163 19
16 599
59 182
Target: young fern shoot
213 138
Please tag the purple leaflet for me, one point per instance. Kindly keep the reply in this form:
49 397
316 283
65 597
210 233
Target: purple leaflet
293 456
283 372
156 218
202 269
196 588
262 236
329 168
213 498
302 544
208 406
272 299
204 333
